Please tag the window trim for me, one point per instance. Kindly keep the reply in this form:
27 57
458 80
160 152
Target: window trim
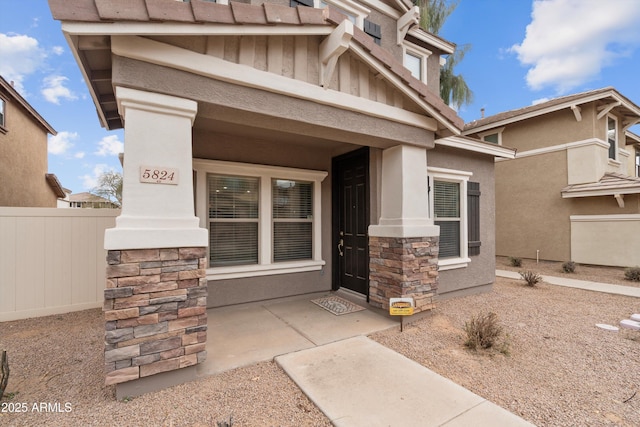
352 8
417 51
498 131
617 138
3 109
265 265
461 177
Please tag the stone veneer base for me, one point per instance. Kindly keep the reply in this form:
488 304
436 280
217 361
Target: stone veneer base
155 312
403 267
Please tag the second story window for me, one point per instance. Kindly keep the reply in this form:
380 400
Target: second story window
638 162
415 60
2 112
612 136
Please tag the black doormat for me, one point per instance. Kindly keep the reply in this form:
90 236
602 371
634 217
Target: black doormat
337 305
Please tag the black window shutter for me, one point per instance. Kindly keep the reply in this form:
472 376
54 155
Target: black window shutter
294 3
473 211
373 30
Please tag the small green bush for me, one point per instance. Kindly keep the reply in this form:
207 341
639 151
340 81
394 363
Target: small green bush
482 331
531 277
632 273
569 267
515 261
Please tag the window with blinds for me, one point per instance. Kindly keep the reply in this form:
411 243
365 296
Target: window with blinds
446 206
292 220
233 220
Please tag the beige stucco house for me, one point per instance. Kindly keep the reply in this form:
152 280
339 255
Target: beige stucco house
273 149
23 154
573 191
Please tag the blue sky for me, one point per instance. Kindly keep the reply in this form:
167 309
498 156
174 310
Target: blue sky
522 52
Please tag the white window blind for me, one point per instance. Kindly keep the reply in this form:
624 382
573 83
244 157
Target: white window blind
446 203
233 220
292 220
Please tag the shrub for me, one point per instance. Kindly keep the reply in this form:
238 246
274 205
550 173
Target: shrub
482 331
531 277
515 261
632 273
569 267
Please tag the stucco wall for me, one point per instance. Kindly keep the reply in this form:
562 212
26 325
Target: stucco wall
23 161
480 272
606 239
530 212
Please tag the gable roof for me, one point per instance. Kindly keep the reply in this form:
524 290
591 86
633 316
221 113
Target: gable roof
610 184
608 94
192 19
8 88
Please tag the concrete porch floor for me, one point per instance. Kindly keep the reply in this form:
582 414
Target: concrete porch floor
245 334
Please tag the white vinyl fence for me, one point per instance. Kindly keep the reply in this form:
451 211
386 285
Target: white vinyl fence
52 260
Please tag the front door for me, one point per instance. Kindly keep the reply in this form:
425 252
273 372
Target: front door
351 221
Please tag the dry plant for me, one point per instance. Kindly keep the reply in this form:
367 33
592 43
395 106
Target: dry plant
483 331
530 277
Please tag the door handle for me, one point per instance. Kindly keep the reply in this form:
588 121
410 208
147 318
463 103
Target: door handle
340 246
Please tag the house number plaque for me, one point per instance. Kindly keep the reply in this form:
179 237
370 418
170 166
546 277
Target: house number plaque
159 175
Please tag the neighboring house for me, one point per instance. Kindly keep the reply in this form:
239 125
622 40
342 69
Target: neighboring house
279 149
23 154
88 200
573 190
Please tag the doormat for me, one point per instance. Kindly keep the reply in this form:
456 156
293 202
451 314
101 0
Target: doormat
337 305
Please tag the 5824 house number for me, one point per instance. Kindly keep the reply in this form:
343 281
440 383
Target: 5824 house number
158 175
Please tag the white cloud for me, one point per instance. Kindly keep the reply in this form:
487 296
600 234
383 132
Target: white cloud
79 155
110 146
90 181
21 55
54 89
568 42
57 50
62 142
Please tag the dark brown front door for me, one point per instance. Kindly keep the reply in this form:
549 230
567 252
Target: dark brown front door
351 221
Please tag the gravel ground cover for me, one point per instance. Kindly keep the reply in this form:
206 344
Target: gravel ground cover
559 370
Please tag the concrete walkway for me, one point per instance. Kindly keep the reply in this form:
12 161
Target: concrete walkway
352 379
580 284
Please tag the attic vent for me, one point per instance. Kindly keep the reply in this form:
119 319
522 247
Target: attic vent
373 30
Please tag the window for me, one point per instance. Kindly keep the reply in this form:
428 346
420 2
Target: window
261 219
2 112
292 219
354 11
446 208
612 136
493 136
448 202
415 60
638 162
233 220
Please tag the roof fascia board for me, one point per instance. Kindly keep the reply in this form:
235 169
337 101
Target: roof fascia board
562 147
179 29
384 8
166 55
23 102
603 192
477 147
427 37
395 79
553 108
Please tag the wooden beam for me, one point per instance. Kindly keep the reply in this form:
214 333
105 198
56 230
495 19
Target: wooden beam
334 45
607 108
577 112
406 21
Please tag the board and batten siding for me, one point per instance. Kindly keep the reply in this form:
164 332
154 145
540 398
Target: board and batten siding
52 260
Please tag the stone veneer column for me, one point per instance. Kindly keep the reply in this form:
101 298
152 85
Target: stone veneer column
403 246
156 292
155 311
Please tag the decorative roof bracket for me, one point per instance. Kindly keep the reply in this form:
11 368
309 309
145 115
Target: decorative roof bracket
608 108
620 199
334 45
406 21
577 112
627 124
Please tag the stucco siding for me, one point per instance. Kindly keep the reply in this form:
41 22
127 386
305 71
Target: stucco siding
480 272
606 239
23 157
530 212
